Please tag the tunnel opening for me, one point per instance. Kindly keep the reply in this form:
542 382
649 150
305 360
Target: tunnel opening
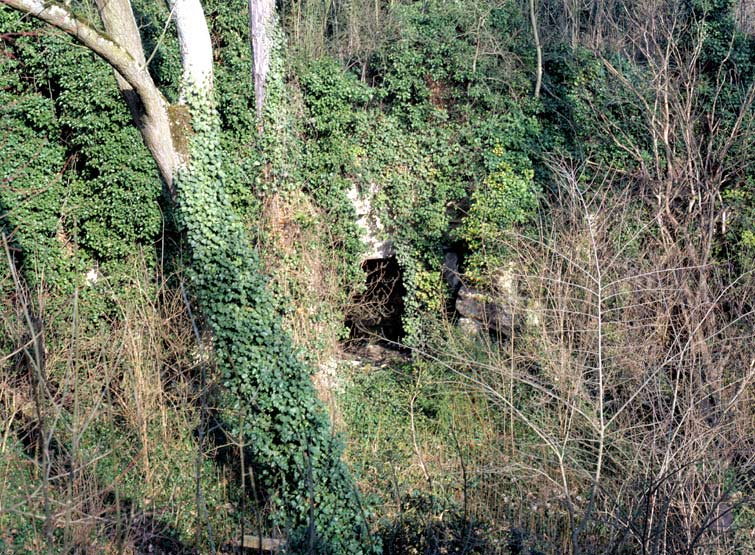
374 315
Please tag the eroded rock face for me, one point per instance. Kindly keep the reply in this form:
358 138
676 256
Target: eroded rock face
470 327
479 307
491 309
374 236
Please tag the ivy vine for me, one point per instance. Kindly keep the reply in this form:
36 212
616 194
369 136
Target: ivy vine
288 428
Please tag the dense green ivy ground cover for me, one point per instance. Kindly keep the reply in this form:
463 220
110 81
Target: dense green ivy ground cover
79 172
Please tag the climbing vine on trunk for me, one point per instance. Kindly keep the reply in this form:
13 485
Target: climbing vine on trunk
288 429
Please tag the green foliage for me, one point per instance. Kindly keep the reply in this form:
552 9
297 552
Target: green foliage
504 200
333 99
116 449
404 419
585 94
82 177
428 525
741 231
436 67
285 425
32 192
443 107
430 55
244 156
375 404
109 204
160 44
419 177
334 103
723 43
116 185
18 533
234 92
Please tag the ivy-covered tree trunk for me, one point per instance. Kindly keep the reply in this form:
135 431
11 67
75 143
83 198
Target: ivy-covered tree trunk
286 425
288 428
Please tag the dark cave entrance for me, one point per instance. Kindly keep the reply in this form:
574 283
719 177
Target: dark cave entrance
374 315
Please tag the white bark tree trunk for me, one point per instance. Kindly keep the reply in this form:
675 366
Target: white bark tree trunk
195 43
260 30
538 48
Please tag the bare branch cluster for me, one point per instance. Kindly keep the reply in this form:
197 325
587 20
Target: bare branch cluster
629 398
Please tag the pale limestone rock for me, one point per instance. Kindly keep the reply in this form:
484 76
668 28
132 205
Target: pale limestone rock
373 232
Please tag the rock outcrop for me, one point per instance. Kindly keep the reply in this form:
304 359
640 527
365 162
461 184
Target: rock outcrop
491 310
480 308
378 245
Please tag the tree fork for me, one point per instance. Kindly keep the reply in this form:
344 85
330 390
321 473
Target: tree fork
147 104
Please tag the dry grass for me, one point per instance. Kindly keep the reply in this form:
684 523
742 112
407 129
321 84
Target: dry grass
627 397
298 253
99 453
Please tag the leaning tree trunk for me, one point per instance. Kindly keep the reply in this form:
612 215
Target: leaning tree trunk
154 125
144 98
286 426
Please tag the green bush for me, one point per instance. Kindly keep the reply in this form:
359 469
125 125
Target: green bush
82 177
505 200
